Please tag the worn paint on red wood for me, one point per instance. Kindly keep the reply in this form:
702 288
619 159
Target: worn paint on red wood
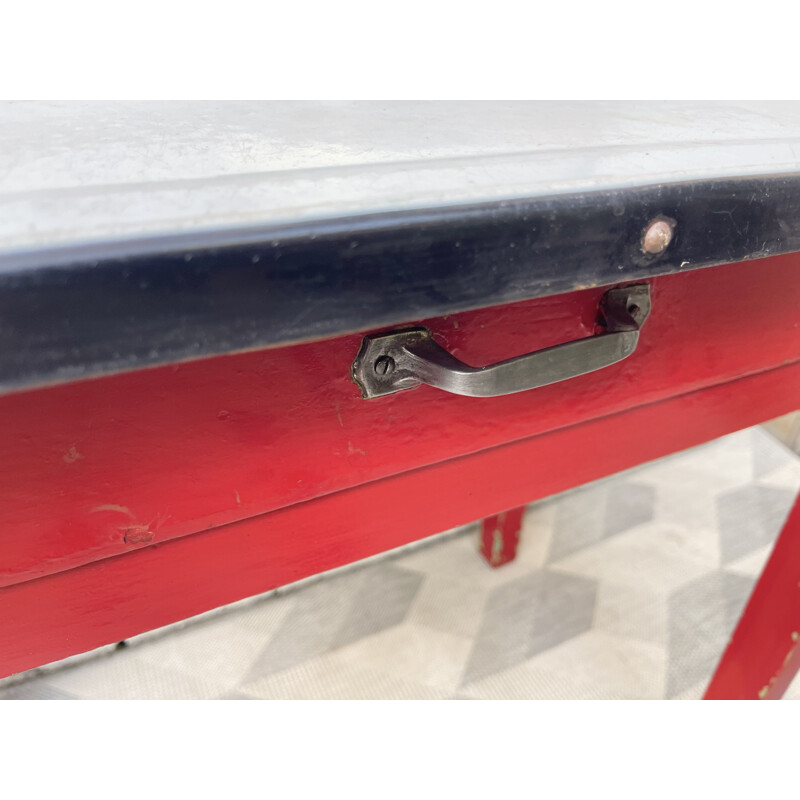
500 536
764 652
107 466
109 600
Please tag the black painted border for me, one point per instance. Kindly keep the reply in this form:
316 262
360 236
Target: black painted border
81 312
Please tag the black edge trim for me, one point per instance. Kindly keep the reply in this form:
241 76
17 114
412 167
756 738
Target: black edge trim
77 313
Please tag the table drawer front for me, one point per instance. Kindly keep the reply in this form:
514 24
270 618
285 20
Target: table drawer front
102 467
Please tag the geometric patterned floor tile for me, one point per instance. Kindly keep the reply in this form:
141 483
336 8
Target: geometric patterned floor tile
518 620
449 604
629 504
326 679
624 588
630 612
577 521
665 558
749 517
591 666
307 630
412 653
767 458
125 675
203 651
751 565
785 477
584 518
328 616
382 601
36 690
701 617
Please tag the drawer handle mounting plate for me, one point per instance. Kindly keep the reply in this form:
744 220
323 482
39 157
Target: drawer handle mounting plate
404 359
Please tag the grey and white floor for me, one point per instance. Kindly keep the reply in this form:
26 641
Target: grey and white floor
625 588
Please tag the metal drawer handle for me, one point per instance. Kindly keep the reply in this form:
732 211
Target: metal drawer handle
405 359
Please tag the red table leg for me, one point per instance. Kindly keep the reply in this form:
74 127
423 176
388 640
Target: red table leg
764 653
500 536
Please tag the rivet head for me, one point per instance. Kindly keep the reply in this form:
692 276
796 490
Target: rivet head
657 237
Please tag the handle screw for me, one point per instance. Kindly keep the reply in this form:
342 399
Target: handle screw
384 365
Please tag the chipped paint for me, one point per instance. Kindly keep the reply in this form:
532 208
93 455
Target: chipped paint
238 499
353 450
138 534
72 455
497 546
762 695
500 537
112 507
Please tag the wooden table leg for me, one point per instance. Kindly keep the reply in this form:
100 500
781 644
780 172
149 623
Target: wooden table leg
764 652
500 536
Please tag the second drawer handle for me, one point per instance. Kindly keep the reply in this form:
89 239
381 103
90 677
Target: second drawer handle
391 362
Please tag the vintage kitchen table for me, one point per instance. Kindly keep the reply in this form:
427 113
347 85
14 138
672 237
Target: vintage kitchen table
245 343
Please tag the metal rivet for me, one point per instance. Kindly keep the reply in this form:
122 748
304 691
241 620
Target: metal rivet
384 365
657 237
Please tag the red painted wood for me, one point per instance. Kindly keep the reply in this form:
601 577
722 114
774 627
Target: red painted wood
103 467
106 601
500 536
764 652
